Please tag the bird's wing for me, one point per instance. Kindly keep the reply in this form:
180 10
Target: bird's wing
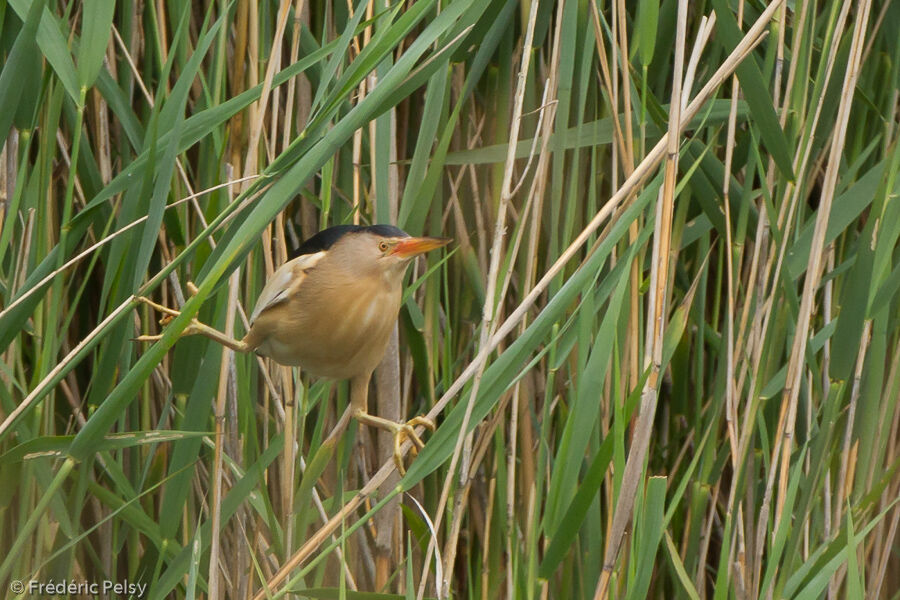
284 281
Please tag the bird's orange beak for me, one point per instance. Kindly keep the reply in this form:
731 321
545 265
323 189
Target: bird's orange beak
412 246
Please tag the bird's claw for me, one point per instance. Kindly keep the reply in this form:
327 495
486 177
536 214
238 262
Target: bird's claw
399 431
165 320
407 430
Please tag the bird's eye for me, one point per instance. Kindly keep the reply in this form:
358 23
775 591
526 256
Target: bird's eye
383 246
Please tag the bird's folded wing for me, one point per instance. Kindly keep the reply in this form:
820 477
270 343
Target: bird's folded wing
284 281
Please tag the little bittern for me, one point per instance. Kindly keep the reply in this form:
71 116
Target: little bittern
331 310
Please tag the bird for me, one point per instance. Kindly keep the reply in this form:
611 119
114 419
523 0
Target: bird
330 310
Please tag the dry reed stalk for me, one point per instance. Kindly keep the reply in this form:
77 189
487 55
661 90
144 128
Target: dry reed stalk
786 211
892 491
776 259
700 575
450 553
357 135
844 477
537 193
102 136
892 390
535 202
388 540
486 538
162 34
490 310
288 460
256 109
704 31
461 498
620 14
357 163
790 396
287 132
218 458
240 555
731 416
633 343
241 36
827 318
611 85
730 406
848 449
887 548
610 82
656 311
386 521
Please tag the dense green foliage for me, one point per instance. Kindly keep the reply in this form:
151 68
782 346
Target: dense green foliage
662 364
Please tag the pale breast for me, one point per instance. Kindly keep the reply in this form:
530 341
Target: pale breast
335 328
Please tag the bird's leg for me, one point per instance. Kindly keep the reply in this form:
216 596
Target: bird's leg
359 393
194 328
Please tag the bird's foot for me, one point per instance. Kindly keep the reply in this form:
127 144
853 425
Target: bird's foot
400 431
194 327
407 430
168 315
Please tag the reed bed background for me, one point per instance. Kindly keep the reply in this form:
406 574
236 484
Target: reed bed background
663 350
